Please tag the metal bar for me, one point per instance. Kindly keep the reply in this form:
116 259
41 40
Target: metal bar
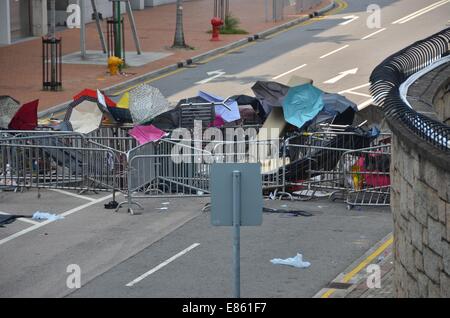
82 30
237 232
133 28
99 27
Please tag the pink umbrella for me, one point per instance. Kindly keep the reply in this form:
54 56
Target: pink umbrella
145 134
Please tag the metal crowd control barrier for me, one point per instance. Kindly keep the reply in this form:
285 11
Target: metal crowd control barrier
367 177
318 162
181 168
54 160
109 160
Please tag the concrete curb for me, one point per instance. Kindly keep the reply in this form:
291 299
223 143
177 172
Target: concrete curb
357 278
195 59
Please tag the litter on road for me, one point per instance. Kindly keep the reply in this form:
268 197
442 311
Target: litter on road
296 261
46 216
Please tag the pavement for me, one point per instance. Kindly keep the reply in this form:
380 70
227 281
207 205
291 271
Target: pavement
116 249
156 28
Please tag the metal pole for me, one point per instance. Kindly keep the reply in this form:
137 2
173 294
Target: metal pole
82 30
53 37
266 10
237 232
118 29
133 27
99 28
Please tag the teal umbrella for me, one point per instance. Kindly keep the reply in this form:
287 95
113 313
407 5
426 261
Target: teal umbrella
302 104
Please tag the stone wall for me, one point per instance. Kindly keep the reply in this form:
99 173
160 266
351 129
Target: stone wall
420 202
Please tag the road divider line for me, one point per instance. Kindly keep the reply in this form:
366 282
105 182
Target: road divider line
420 12
354 88
289 72
349 19
335 51
374 33
73 194
163 264
41 224
359 94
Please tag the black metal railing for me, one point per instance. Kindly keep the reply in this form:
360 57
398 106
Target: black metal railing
111 35
51 63
387 78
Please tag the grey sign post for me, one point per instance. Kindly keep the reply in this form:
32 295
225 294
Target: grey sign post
229 207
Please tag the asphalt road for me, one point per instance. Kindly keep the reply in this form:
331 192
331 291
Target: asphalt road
330 240
116 249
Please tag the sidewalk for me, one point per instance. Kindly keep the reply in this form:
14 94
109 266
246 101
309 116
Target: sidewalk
21 63
352 283
387 289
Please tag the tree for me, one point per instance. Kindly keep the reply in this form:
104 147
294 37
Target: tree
179 32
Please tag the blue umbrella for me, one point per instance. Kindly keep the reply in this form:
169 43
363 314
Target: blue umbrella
302 104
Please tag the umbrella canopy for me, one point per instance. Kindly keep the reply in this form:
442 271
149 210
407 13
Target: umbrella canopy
8 109
228 115
147 102
337 110
252 101
86 112
26 117
120 111
302 104
145 134
270 94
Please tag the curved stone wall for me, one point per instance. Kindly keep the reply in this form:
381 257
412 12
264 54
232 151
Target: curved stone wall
420 200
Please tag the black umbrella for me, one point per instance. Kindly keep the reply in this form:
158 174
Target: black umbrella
270 94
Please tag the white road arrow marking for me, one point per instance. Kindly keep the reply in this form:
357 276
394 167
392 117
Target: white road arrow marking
214 75
341 76
350 19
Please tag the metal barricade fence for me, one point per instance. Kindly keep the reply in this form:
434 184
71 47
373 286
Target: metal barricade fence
109 160
181 168
367 176
57 161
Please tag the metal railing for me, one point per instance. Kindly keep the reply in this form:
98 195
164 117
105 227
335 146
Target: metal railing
387 78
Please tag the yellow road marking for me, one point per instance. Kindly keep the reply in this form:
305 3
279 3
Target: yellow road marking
361 265
150 80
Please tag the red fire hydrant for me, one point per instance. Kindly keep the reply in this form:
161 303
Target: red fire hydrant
216 24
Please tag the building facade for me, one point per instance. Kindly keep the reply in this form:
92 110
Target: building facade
21 19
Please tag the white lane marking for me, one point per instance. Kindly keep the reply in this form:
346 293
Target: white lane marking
163 264
335 51
365 104
37 226
289 72
213 75
22 219
374 33
73 194
341 76
353 88
420 12
350 19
